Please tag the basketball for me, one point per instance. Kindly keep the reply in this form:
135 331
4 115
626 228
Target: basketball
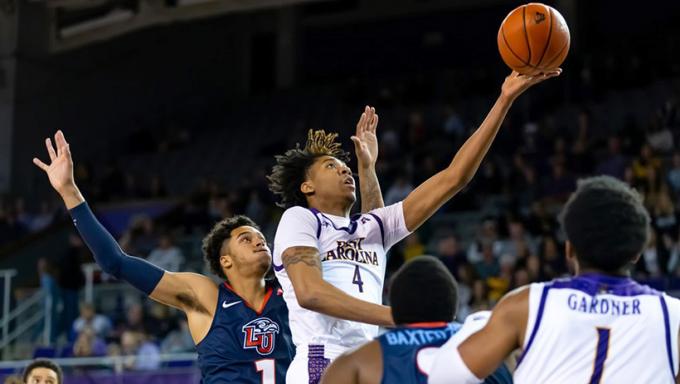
533 38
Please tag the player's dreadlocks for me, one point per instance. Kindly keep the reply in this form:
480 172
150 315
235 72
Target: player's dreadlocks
291 168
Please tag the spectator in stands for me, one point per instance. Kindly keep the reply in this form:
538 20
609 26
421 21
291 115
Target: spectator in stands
140 238
451 254
70 279
43 219
166 255
143 354
553 261
518 244
488 266
614 163
48 284
43 371
178 340
135 320
89 319
487 234
673 175
413 247
646 165
399 190
13 379
89 344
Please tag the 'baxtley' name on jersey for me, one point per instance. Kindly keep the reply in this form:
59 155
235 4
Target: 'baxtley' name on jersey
351 250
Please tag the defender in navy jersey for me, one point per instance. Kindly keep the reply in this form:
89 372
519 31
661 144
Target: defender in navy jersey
424 298
240 327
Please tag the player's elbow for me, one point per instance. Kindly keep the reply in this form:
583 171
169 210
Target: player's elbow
309 299
457 180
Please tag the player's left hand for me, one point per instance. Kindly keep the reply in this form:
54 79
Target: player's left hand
365 140
515 84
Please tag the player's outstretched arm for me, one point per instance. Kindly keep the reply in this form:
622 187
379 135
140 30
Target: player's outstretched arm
180 290
303 266
366 149
438 189
484 351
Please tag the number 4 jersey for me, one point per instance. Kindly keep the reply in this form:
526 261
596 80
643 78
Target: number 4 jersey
352 252
599 329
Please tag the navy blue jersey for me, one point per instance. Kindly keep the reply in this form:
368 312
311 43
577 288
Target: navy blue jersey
246 345
407 353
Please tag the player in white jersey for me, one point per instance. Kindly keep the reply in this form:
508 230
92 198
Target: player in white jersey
332 266
597 327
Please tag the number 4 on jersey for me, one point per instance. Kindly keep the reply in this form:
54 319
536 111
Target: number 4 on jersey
357 279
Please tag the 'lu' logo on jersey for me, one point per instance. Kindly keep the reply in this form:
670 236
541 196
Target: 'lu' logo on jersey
260 334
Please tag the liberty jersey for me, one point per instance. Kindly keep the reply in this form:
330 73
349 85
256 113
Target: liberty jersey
599 329
245 345
353 259
409 352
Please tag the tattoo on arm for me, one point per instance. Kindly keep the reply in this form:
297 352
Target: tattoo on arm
307 255
371 195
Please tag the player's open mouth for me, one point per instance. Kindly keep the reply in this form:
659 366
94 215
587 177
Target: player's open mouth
349 181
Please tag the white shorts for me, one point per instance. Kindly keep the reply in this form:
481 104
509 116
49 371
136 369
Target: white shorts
311 361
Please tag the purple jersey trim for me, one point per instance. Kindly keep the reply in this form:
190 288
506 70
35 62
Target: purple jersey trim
667 326
318 222
539 317
316 363
593 284
349 229
382 228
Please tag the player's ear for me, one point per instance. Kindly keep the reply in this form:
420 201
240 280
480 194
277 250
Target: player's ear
226 261
307 188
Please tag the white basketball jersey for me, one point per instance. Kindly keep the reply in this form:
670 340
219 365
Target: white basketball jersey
599 329
353 259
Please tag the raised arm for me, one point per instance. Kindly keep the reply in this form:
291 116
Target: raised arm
425 200
303 266
186 291
366 149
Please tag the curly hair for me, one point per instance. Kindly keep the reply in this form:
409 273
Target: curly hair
221 232
606 222
291 168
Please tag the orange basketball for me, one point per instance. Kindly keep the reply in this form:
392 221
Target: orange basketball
533 38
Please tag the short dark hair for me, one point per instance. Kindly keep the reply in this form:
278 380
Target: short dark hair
44 363
291 168
423 290
606 223
221 232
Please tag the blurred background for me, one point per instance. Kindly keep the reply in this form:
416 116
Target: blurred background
175 109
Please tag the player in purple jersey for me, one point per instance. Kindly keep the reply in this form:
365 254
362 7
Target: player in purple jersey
240 327
598 327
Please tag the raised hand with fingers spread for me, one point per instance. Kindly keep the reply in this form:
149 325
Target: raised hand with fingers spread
60 170
366 148
365 139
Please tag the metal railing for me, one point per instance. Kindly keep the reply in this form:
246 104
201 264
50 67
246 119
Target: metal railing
26 316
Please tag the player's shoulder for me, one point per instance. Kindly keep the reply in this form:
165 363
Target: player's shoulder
298 211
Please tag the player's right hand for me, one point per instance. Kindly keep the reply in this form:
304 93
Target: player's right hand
60 169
